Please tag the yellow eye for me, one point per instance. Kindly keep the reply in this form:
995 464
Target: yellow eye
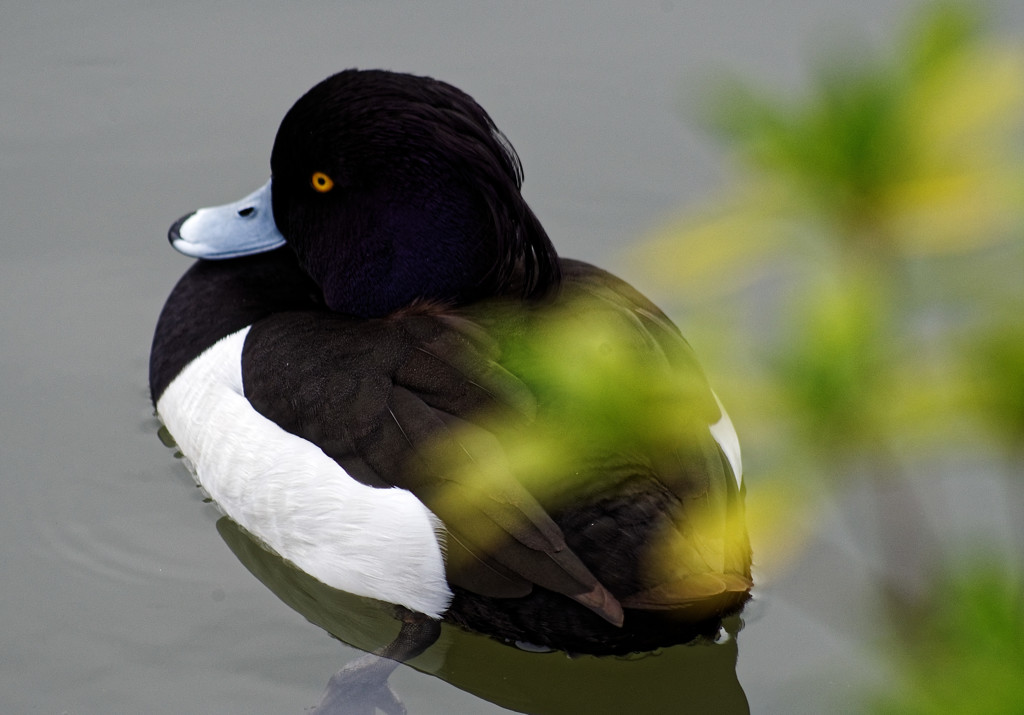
321 182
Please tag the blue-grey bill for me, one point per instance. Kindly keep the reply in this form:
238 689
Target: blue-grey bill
237 229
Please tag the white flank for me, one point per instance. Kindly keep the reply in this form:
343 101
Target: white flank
725 434
380 543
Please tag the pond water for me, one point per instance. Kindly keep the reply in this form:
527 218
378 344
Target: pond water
121 592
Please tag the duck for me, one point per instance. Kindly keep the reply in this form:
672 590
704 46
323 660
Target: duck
373 353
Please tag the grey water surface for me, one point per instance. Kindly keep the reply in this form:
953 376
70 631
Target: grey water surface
117 592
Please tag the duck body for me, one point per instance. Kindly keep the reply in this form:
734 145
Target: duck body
372 392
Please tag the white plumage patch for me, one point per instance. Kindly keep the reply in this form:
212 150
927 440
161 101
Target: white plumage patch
380 543
725 434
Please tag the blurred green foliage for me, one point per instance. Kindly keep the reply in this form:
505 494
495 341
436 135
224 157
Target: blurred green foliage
836 373
869 253
966 655
997 362
612 396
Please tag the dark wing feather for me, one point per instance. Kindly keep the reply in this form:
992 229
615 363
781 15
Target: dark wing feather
708 552
432 402
398 392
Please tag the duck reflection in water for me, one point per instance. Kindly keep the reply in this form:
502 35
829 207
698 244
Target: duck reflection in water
695 676
381 369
